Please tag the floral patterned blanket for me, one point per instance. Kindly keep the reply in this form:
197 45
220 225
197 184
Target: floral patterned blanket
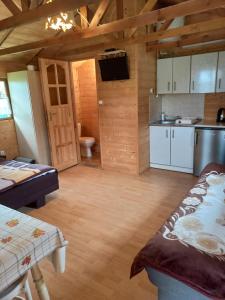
190 246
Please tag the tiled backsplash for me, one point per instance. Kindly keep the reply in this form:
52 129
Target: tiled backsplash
184 105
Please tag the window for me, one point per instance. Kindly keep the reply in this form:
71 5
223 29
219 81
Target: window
5 107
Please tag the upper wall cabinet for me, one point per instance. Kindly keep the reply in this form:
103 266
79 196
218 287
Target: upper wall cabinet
173 75
165 76
181 75
203 73
220 85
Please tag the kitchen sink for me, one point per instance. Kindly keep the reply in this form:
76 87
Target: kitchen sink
165 122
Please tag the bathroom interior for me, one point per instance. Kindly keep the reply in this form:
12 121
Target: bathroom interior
85 87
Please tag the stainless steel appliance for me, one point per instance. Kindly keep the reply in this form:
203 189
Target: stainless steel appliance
209 147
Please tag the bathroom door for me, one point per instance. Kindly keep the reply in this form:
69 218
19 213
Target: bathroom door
55 77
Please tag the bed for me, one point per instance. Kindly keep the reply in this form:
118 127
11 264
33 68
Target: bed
30 191
186 257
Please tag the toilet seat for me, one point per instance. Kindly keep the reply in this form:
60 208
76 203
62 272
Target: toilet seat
86 140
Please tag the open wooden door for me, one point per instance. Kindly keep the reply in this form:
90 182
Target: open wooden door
56 87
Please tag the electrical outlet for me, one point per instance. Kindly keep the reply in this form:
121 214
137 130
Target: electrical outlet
2 153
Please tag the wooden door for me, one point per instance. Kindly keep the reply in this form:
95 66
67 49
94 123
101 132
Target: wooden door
182 147
181 75
220 86
58 103
164 76
203 73
160 145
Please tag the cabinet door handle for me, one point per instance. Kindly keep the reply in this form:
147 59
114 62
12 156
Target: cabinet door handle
193 85
196 138
174 86
173 134
168 86
220 80
167 134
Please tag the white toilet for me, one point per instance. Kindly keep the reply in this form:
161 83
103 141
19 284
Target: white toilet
85 143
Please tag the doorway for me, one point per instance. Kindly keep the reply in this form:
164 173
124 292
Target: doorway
86 107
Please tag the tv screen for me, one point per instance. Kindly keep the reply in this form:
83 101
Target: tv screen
114 68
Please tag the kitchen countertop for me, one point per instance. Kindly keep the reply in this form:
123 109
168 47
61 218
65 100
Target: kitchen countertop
199 124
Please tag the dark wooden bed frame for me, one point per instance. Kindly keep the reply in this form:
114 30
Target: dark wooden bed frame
32 192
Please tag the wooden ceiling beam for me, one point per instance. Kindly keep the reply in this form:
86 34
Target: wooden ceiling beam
149 5
220 46
42 11
153 37
164 14
84 17
25 5
100 12
193 39
12 7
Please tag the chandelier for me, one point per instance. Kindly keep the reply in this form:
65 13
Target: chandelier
59 22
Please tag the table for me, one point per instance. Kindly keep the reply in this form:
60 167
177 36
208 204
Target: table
25 241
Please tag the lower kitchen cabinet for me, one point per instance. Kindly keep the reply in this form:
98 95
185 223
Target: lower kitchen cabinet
160 145
172 148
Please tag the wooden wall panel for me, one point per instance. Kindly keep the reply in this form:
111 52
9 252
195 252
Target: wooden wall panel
86 98
118 120
146 72
212 103
8 141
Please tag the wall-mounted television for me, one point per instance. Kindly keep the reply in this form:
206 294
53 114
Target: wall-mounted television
114 66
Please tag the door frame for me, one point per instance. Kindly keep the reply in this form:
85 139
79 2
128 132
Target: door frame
75 107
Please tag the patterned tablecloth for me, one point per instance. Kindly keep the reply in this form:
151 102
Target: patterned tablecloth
24 241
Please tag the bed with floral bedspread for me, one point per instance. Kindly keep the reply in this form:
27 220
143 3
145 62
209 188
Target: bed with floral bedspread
190 246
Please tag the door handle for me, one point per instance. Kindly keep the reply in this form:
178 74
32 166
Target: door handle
167 133
193 85
220 80
168 86
174 86
196 138
173 134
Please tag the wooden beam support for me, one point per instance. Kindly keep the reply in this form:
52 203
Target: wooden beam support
149 5
195 50
101 10
42 11
25 5
168 13
12 7
84 17
153 37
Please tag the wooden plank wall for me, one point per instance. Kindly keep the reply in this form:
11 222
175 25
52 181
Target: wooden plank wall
8 139
124 115
212 103
86 98
118 120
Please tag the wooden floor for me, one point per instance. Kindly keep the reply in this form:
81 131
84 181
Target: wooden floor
107 217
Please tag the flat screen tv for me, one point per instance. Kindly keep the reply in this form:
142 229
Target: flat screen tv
114 68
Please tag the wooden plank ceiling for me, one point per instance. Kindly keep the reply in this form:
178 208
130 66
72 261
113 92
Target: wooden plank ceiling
23 36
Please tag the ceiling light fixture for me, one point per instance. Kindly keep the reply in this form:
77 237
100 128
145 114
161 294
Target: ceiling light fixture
59 22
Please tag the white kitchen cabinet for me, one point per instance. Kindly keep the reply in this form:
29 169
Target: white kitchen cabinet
160 145
172 148
181 75
203 73
165 76
220 85
182 147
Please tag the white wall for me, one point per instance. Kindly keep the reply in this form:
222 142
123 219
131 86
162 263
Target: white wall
184 105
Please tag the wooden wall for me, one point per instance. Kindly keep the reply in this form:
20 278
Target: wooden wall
124 115
86 98
212 103
8 140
